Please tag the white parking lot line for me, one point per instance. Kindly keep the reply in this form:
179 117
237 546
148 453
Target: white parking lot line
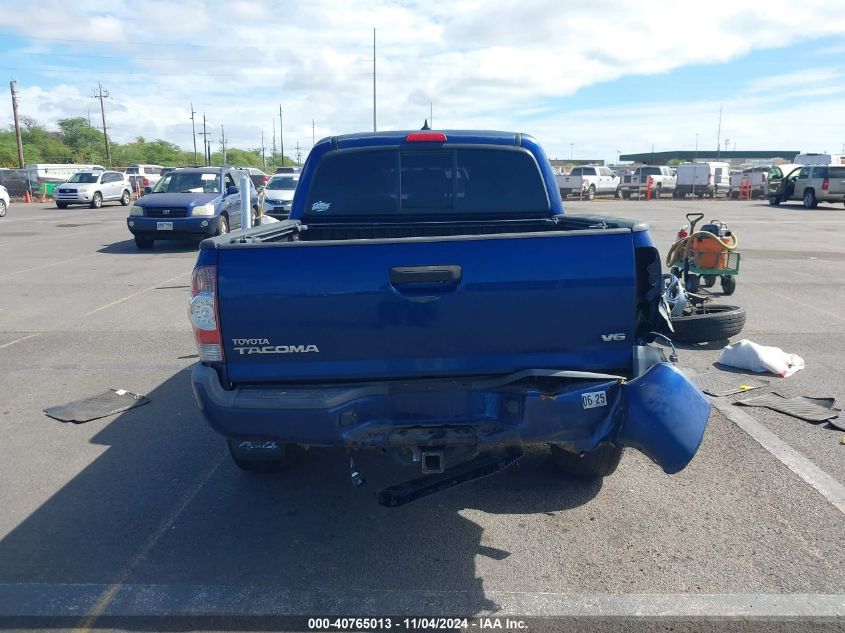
52 600
831 489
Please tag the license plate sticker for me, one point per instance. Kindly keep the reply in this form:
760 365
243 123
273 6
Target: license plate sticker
594 399
164 226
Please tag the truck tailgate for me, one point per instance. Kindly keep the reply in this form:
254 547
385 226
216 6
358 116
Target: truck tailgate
369 309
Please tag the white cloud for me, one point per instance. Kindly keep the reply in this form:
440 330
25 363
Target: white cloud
506 64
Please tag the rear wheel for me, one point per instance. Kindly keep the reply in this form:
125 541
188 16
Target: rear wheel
124 199
591 192
97 200
259 456
774 201
144 243
711 323
618 193
655 195
810 201
2 208
728 284
600 462
692 283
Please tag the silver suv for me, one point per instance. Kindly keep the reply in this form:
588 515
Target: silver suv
93 188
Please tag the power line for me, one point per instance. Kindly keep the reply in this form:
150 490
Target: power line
194 135
13 87
101 96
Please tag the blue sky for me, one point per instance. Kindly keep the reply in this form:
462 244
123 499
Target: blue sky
602 76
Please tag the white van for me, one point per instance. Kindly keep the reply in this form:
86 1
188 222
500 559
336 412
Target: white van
703 179
820 159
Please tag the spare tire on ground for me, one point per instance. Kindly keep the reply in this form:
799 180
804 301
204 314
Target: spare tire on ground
708 323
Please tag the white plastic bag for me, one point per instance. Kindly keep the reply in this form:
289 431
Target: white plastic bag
750 355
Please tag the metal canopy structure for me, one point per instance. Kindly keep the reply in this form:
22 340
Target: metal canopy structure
661 158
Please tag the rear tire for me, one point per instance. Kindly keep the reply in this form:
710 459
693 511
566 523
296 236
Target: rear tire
774 201
728 285
626 195
260 456
720 322
124 199
692 283
810 201
2 208
600 462
144 243
655 195
591 192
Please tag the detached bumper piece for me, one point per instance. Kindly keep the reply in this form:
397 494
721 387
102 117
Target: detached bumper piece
661 413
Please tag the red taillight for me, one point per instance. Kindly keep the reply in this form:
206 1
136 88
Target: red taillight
426 137
825 184
146 182
266 179
202 310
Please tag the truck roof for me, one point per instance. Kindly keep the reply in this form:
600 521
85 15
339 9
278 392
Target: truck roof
474 137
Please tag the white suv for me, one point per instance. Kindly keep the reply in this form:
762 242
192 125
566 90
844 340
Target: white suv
92 188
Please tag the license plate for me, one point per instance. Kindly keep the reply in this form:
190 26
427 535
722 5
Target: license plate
594 399
164 226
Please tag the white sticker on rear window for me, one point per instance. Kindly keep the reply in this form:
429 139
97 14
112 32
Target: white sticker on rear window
208 176
321 206
594 399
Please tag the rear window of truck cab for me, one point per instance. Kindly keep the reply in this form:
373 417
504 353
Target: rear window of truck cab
436 182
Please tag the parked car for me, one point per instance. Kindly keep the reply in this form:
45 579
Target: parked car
189 203
4 201
364 333
288 170
141 176
93 188
278 195
818 183
258 177
663 180
750 181
703 179
588 182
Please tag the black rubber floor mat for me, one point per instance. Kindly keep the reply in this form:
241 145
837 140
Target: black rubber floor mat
724 383
94 407
809 409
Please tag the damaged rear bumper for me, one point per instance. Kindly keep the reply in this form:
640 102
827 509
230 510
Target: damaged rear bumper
661 413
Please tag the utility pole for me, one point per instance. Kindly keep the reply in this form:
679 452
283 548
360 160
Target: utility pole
719 134
298 154
263 160
727 143
13 86
571 145
206 144
104 95
374 80
194 130
281 136
274 141
223 143
695 157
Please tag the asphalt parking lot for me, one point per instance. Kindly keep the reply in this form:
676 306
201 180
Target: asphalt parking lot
143 514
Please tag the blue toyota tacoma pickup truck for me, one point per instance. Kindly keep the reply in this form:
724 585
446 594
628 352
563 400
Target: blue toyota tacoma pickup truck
428 297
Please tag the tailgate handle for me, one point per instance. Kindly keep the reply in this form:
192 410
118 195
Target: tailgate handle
425 275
